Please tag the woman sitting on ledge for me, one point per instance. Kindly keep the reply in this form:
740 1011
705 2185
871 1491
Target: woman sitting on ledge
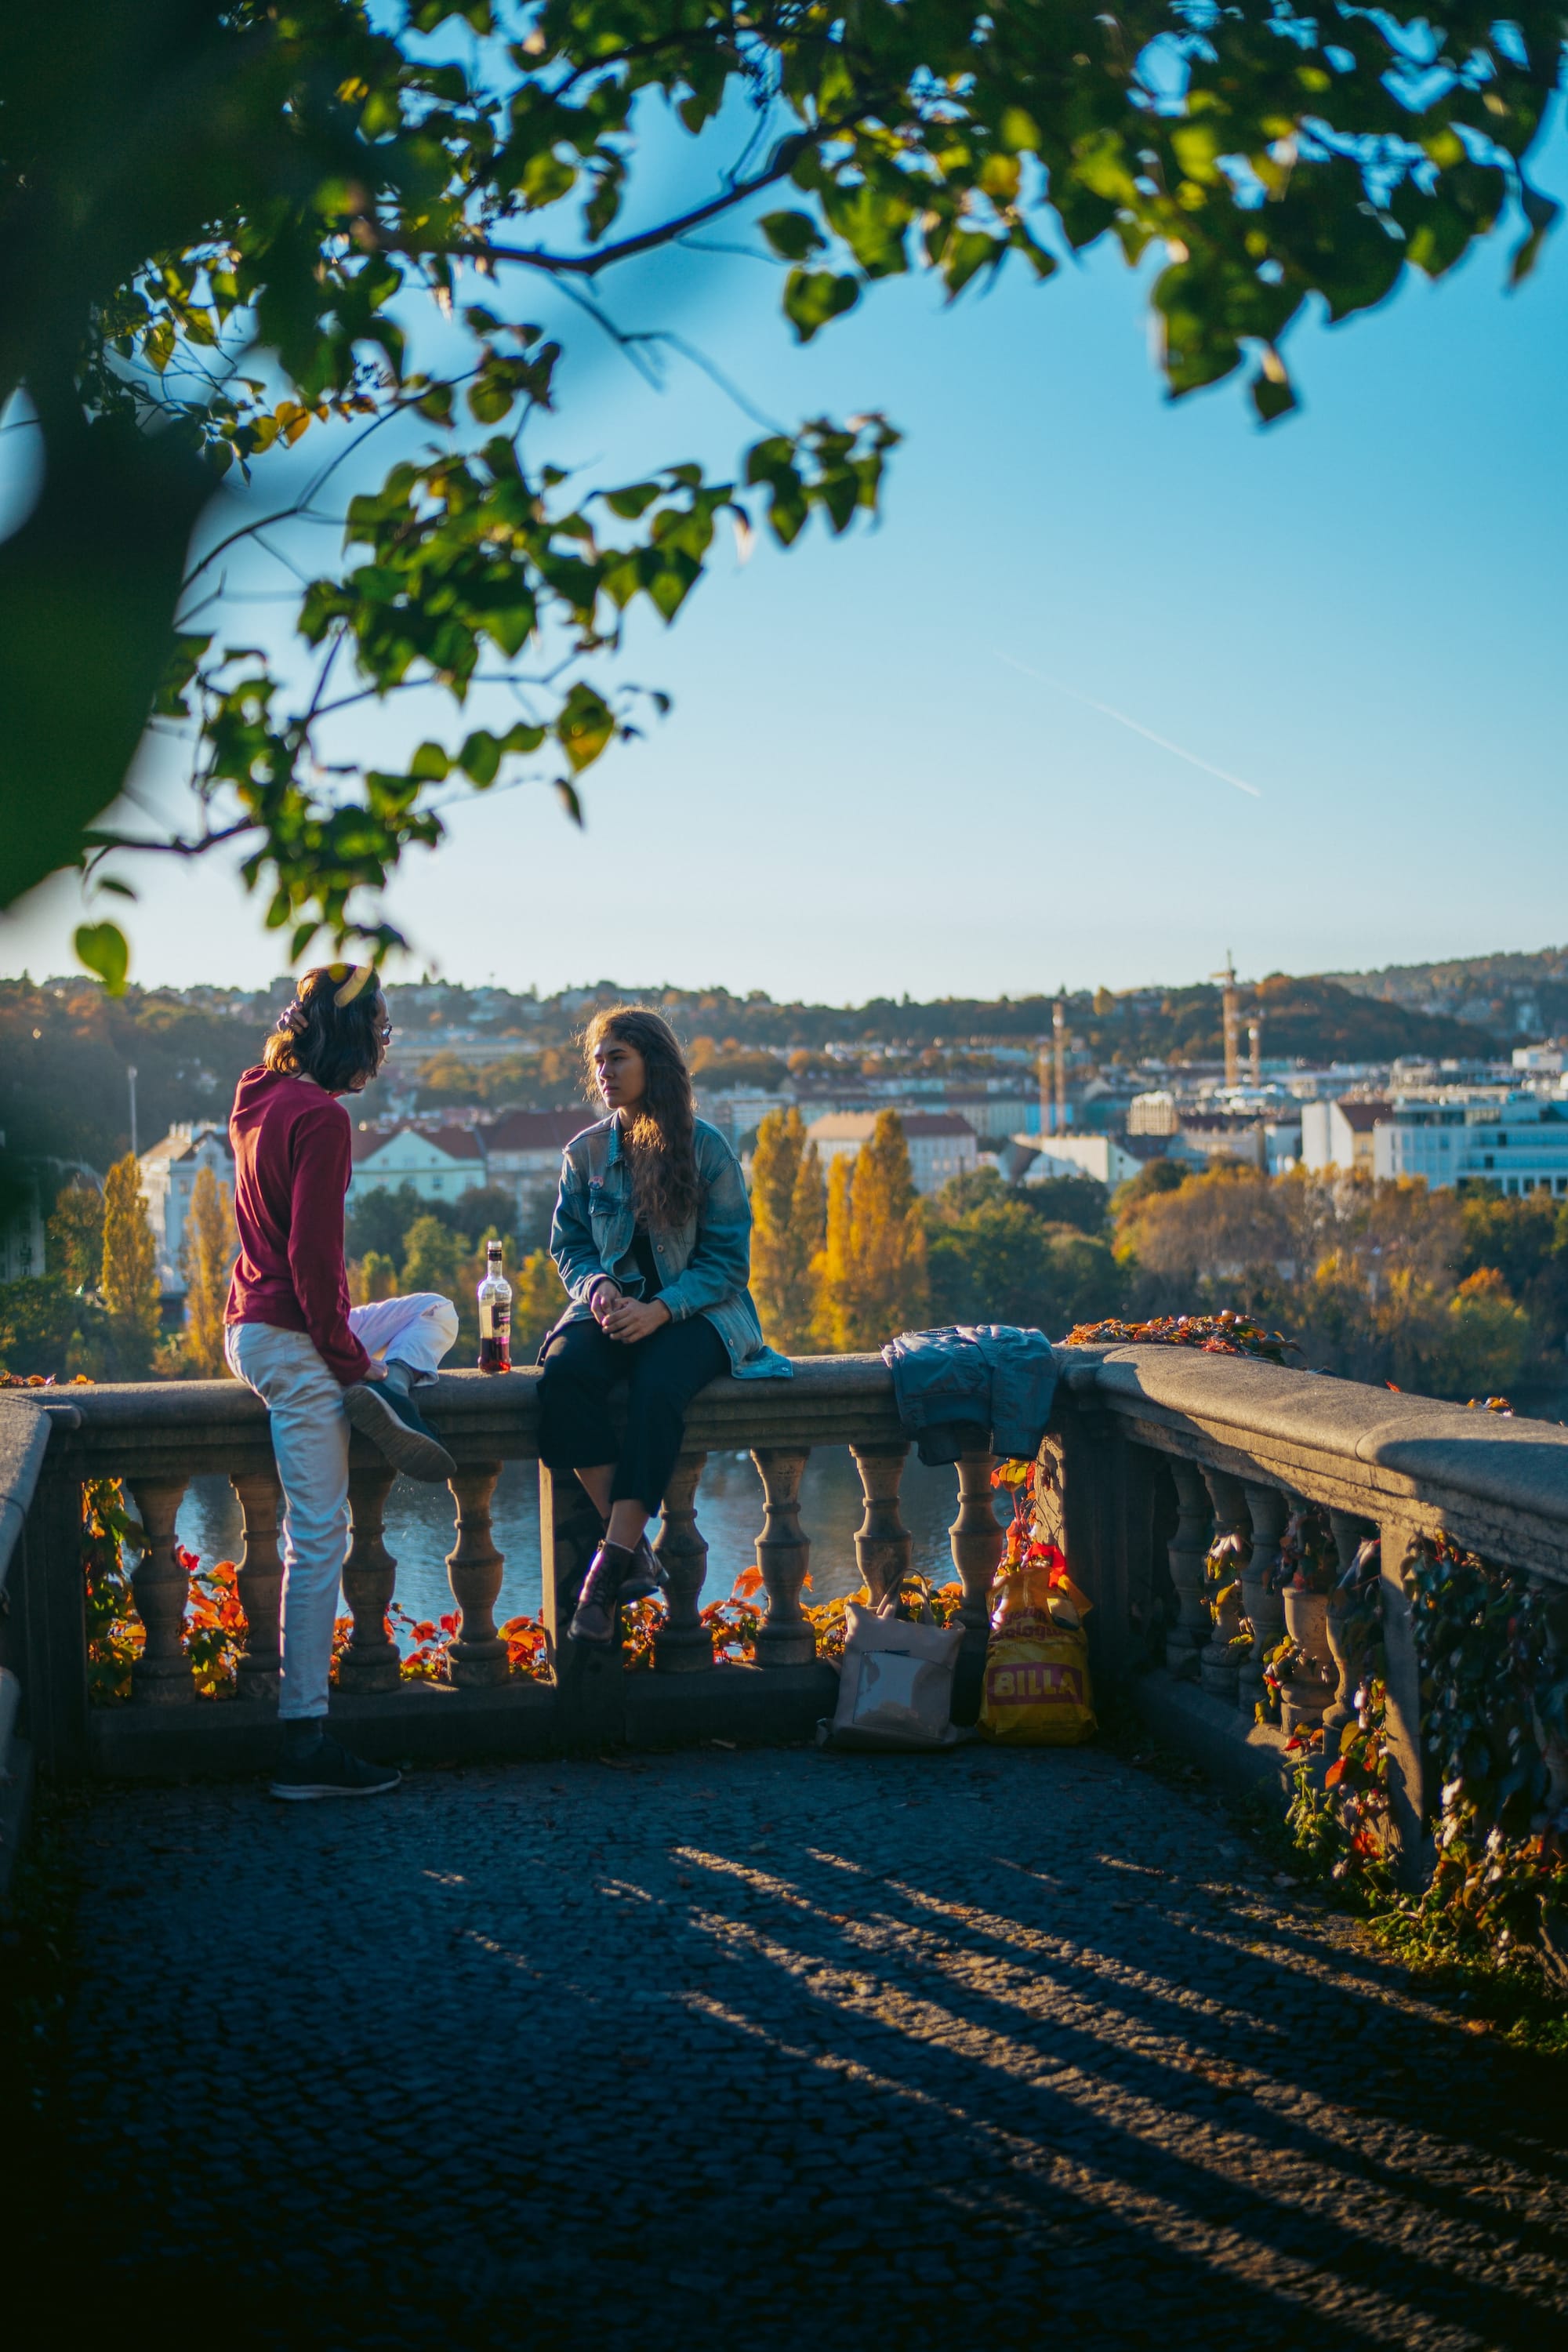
652 1236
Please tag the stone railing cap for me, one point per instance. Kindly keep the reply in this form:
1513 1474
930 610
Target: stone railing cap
1520 1464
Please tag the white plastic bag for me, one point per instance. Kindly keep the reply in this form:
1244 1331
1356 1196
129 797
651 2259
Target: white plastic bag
896 1687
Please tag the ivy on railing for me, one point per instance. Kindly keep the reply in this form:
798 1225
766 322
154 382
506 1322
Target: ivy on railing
1492 1648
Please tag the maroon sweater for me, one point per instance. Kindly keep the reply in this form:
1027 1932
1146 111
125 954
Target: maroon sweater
293 1156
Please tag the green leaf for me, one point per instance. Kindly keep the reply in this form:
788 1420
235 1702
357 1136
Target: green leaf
813 297
794 237
103 948
1272 396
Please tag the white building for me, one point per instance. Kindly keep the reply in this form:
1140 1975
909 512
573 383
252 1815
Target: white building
440 1164
736 1110
941 1145
169 1172
522 1151
1517 1146
1340 1134
1109 1159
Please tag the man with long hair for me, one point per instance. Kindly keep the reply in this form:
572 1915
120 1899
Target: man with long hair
316 1365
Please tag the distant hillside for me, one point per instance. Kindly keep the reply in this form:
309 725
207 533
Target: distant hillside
65 1049
1514 995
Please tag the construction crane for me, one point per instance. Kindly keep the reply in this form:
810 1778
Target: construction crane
1059 1059
1053 1066
1230 1007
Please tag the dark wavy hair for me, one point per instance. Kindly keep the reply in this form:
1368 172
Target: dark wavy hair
658 1138
342 1046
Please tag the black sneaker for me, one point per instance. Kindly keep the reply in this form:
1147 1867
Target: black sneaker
394 1424
594 1619
327 1769
644 1577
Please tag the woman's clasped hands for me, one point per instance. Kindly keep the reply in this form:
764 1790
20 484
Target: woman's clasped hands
628 1320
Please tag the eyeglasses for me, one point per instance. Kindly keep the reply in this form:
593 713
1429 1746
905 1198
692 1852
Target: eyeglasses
385 1032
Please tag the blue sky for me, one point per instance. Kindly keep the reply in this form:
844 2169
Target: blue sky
860 789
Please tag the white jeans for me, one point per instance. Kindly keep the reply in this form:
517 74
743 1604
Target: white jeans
311 1445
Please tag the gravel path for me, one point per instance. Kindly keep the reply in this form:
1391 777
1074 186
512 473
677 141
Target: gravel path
774 2049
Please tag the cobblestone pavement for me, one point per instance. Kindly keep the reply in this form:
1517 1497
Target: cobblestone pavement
775 2048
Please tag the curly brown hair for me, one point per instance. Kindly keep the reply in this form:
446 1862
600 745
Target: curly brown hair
660 1145
342 1046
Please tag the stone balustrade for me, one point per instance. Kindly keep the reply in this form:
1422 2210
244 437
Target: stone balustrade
1159 1451
157 1437
1153 1452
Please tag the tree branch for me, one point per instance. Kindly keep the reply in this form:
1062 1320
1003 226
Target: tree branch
588 265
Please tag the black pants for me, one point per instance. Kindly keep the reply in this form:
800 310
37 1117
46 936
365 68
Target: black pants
662 1374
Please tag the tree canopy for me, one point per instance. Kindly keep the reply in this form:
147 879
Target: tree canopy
230 226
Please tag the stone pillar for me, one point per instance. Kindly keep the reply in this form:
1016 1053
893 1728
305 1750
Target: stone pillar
370 1580
1185 1553
1260 1597
1346 1633
477 1657
1218 1664
977 1543
882 1544
161 1674
683 1644
260 1580
783 1555
43 1625
570 1530
588 1675
1402 1722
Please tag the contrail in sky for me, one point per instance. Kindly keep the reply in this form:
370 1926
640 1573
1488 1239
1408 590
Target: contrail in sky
1122 721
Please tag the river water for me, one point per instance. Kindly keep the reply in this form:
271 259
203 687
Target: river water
419 1530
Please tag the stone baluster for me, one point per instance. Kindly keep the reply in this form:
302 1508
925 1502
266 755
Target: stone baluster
477 1657
977 1543
1218 1664
1346 1633
783 1555
370 1580
1260 1597
260 1580
161 1674
882 1544
1185 1553
683 1643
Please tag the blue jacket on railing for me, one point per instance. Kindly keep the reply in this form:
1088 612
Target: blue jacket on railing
703 1265
987 1376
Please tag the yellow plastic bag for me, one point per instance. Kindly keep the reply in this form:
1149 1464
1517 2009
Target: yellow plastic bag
1037 1683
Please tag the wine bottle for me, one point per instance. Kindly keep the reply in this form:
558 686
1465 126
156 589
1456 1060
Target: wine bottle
495 1314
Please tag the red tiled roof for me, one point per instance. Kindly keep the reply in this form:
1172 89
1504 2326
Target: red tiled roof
534 1130
456 1142
933 1122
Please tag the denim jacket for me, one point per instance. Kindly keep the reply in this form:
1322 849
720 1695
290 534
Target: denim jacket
991 1376
702 1266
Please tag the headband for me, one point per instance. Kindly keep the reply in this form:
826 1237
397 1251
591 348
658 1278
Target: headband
355 981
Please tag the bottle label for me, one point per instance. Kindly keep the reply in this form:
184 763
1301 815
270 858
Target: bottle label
487 1319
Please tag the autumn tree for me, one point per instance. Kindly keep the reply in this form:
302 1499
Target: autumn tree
874 1282
788 1229
211 1246
538 1296
373 1277
73 1238
127 1281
